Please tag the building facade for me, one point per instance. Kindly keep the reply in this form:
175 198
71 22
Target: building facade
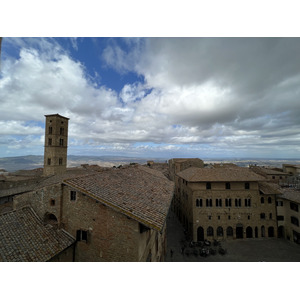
224 203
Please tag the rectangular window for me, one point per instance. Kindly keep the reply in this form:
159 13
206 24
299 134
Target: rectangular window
279 203
218 202
280 218
262 216
62 131
295 221
61 142
247 185
52 202
227 185
60 161
49 161
73 195
49 142
208 185
50 130
81 235
294 206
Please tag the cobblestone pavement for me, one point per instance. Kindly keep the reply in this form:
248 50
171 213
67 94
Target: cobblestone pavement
241 250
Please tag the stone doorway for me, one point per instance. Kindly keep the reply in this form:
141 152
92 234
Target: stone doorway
239 231
200 234
249 233
281 231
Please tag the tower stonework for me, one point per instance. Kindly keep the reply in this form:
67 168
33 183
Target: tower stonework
56 144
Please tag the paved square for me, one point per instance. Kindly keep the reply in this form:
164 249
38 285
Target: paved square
240 250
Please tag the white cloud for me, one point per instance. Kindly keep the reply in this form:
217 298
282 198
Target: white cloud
201 93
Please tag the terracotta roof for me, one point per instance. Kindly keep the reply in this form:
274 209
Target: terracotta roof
219 174
291 194
269 188
24 237
273 172
139 192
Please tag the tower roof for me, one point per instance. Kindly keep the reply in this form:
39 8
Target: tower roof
57 115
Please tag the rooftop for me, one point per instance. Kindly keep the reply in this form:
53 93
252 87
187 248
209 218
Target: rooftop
219 174
291 194
139 192
24 237
269 188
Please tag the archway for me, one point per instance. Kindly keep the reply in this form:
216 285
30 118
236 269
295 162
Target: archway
271 231
229 231
219 231
239 231
50 219
281 231
262 231
256 232
249 232
210 231
200 234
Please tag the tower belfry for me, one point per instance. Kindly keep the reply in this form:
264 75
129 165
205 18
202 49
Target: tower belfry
56 144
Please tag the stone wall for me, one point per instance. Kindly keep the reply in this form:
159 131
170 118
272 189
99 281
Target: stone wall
194 215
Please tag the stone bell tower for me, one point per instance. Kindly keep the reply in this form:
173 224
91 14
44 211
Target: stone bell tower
56 144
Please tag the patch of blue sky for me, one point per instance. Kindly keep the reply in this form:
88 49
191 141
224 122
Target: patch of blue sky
89 52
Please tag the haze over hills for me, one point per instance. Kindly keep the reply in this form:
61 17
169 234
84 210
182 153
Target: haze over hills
30 162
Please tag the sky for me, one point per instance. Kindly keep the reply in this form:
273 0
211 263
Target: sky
153 97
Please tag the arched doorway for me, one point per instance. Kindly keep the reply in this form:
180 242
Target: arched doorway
200 234
271 231
281 231
210 231
249 232
239 231
219 231
256 232
229 231
262 231
50 219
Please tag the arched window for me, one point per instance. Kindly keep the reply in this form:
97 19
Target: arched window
262 216
218 202
208 202
210 231
269 200
262 231
262 200
219 231
229 231
271 231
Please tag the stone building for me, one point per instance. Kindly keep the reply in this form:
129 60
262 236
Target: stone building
179 164
219 203
291 169
113 214
288 214
56 144
270 174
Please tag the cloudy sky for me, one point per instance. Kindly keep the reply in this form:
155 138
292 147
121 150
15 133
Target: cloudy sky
153 97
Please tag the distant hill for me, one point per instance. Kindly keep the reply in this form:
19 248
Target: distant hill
30 162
